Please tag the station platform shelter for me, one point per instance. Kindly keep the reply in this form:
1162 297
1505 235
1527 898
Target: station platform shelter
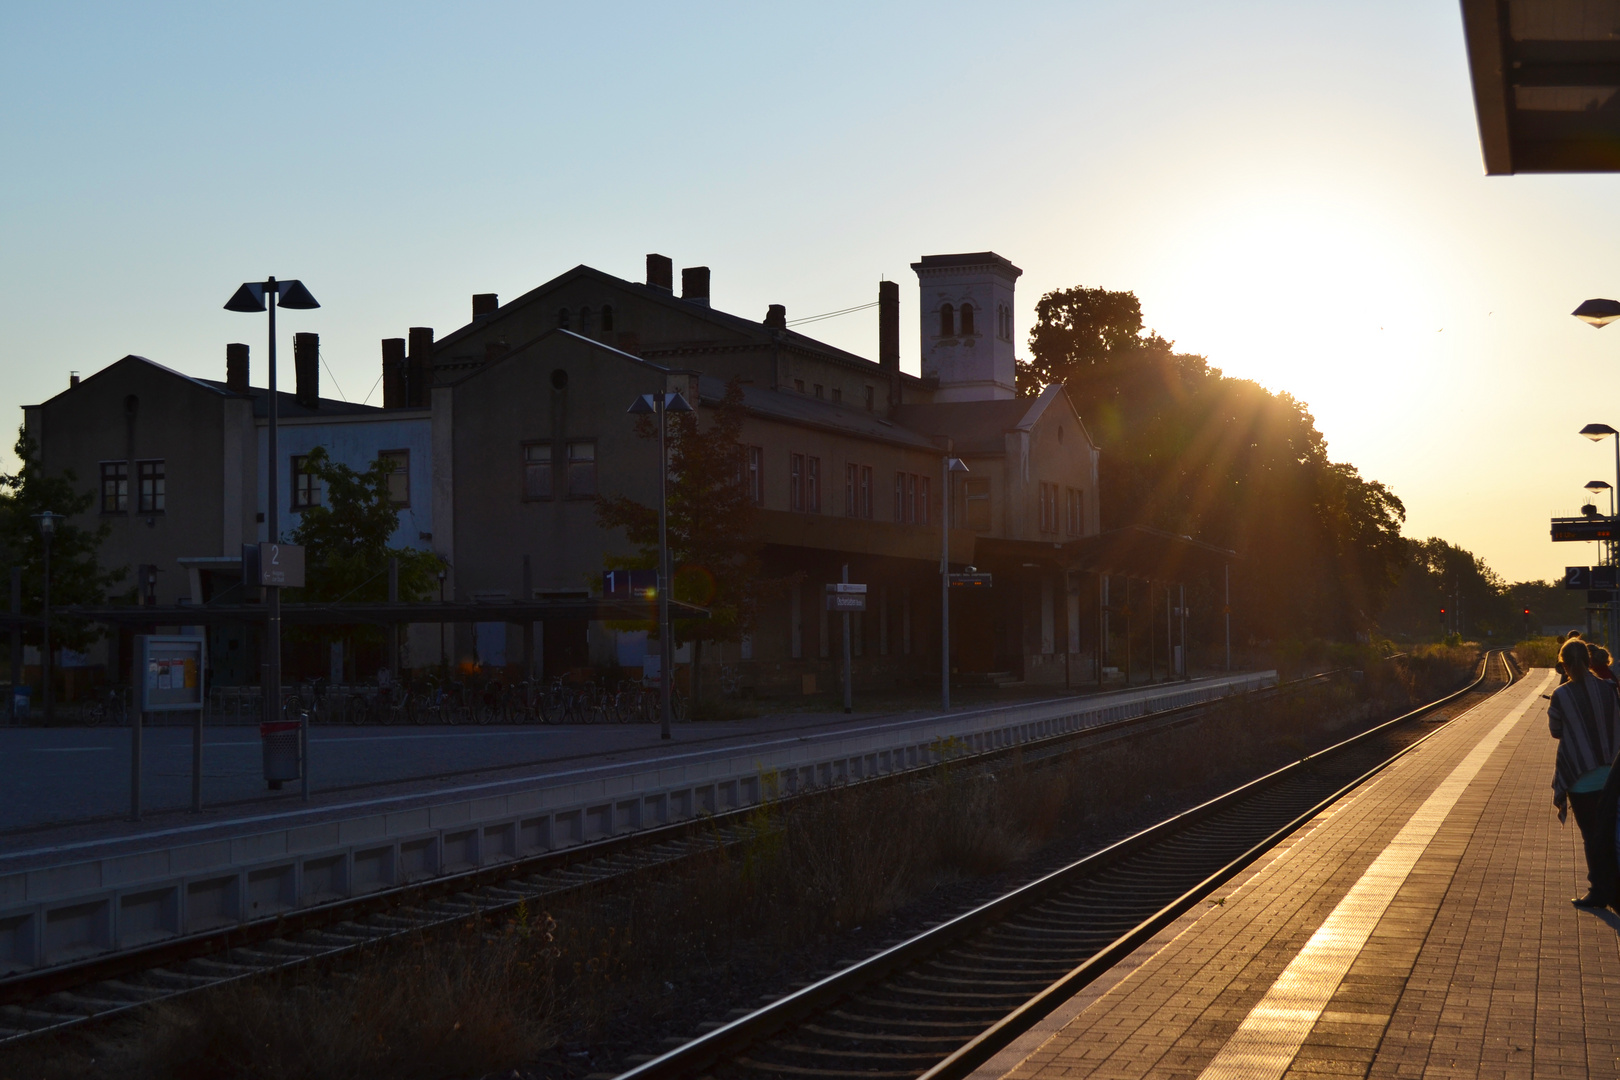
1420 927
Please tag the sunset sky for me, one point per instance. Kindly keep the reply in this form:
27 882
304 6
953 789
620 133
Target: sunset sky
1294 190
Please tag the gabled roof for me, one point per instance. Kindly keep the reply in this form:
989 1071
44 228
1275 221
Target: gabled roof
980 427
748 329
569 335
198 384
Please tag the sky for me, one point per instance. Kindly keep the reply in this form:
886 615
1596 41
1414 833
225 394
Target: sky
1293 190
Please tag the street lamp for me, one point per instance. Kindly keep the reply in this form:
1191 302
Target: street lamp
1597 433
661 405
47 530
256 296
1595 486
950 465
1598 313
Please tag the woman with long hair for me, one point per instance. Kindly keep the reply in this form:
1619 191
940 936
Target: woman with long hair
1584 716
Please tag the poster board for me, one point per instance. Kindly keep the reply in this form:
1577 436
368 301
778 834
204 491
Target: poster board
170 673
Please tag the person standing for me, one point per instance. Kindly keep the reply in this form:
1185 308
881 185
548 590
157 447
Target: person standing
1584 716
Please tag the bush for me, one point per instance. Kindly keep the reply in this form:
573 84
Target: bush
1537 652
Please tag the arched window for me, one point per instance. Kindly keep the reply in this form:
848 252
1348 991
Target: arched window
947 321
967 320
562 318
584 320
607 316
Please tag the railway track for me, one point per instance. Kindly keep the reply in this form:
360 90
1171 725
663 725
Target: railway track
51 1002
941 1004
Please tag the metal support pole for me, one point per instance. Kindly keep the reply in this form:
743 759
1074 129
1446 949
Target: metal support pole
1128 632
393 627
1186 668
945 589
1169 635
666 649
16 642
528 625
1226 610
135 721
849 692
303 754
196 761
45 653
272 518
1152 636
1102 625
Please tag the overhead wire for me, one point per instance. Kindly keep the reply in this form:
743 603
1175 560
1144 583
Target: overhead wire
832 314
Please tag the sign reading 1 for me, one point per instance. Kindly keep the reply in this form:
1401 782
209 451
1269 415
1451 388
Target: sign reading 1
281 564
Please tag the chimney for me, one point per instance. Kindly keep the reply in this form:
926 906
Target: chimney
484 304
695 284
73 379
776 317
236 368
419 368
889 325
393 372
661 272
307 369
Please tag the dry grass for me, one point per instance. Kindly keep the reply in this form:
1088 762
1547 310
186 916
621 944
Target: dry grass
1537 652
594 967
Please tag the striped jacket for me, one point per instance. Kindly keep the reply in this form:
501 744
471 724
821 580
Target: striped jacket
1585 719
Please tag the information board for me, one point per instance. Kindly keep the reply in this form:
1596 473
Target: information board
171 673
846 596
281 564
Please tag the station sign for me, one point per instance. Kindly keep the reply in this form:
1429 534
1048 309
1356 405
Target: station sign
846 596
970 581
630 583
1579 578
1584 529
170 672
281 565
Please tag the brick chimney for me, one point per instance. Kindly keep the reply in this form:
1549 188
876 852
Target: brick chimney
889 325
419 368
776 317
661 272
695 284
484 304
236 368
307 369
393 372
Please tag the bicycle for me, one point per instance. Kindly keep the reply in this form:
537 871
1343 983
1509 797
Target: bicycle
109 707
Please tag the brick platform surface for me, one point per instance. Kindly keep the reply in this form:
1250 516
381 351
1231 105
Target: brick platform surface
1478 966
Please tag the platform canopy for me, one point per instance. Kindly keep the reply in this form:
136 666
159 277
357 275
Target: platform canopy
1546 77
1135 551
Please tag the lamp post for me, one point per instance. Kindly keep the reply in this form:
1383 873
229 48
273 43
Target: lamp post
949 466
47 530
443 660
256 296
1597 433
661 405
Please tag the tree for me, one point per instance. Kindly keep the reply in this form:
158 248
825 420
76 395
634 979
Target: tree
711 518
346 544
76 573
1188 450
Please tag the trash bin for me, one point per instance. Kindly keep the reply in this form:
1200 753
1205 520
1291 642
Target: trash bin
282 758
21 701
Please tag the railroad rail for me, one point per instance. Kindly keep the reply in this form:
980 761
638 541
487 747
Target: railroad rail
942 1003
54 1000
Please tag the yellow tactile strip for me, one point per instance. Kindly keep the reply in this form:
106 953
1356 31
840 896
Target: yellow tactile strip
1171 1016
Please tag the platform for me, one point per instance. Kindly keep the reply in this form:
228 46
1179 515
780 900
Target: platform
1419 927
73 890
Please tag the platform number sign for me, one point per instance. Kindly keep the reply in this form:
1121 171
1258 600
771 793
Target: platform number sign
1577 577
281 564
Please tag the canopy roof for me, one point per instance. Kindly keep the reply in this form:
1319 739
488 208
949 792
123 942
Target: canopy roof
1546 77
583 607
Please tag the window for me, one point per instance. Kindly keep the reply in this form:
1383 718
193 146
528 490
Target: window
399 476
537 470
910 499
607 316
967 320
812 485
754 474
871 399
1049 509
584 320
562 318
798 384
1077 512
818 391
858 491
115 487
976 494
153 494
796 481
837 394
582 469
306 488
947 321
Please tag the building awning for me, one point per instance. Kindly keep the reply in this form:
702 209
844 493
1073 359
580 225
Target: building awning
590 608
1135 551
1546 77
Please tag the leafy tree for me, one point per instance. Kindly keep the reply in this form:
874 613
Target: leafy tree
716 563
1191 451
346 543
76 573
